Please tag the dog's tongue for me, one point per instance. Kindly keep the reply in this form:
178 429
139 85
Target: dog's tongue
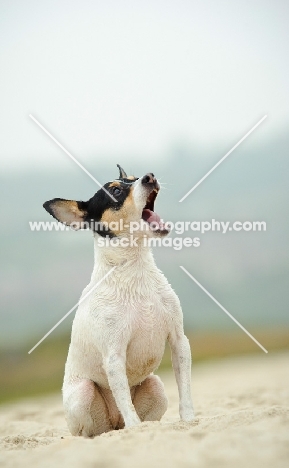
150 216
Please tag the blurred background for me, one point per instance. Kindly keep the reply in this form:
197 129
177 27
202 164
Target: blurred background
161 86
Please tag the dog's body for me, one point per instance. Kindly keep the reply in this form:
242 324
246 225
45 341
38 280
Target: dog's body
121 327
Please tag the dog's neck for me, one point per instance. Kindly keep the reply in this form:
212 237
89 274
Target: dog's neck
110 255
135 266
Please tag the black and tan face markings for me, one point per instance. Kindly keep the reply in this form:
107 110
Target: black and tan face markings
125 213
100 208
115 183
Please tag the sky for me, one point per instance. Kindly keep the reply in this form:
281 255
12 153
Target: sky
135 77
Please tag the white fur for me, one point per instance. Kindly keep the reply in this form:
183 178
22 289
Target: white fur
118 339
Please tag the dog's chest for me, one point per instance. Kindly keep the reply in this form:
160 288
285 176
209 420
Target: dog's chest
139 329
148 333
134 318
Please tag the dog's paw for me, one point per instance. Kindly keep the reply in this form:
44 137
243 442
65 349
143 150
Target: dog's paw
187 416
192 421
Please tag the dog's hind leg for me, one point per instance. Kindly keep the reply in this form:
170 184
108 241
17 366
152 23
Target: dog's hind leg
150 400
85 409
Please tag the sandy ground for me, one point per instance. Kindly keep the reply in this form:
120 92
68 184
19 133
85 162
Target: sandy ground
242 406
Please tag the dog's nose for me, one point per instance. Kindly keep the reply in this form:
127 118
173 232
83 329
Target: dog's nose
149 179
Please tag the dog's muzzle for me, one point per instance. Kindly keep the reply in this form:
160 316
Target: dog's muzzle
150 181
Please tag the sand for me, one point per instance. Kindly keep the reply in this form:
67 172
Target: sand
242 406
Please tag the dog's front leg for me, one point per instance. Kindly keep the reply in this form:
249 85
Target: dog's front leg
181 358
116 374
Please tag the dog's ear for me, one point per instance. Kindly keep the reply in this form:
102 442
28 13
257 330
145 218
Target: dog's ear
122 173
68 212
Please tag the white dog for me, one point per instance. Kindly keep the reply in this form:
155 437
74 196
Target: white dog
120 329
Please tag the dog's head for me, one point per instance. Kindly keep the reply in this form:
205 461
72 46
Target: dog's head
121 207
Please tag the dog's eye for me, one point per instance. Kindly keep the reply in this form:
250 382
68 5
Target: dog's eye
116 191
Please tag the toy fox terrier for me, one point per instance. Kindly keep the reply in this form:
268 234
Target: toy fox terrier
120 329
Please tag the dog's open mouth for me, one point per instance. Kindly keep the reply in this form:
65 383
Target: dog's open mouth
150 216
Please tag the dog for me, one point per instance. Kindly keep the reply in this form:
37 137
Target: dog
121 326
